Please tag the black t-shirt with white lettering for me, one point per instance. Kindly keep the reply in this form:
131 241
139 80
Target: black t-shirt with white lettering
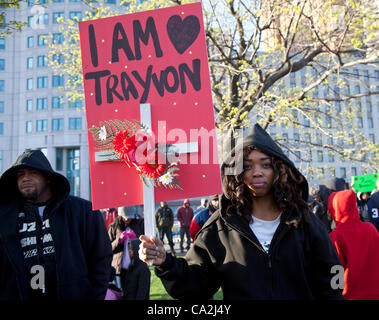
38 249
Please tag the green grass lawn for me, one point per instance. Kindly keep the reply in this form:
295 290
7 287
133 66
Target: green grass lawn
158 292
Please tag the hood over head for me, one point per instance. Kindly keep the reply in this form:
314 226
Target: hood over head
127 212
185 201
260 139
134 243
210 205
342 206
327 186
32 159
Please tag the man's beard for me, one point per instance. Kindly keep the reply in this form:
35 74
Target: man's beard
31 195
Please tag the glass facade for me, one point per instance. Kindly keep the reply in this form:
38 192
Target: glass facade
73 170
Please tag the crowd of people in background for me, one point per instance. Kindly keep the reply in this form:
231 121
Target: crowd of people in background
89 255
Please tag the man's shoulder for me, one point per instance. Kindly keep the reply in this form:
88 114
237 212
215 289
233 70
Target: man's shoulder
78 203
75 199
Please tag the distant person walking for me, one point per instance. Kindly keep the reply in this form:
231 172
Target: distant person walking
164 219
185 215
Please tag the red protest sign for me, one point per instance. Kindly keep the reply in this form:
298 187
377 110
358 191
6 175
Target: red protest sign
159 58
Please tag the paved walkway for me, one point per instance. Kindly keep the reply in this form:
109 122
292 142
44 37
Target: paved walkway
176 240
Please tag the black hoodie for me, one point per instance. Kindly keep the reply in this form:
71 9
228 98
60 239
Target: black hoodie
136 281
82 247
227 253
32 159
260 139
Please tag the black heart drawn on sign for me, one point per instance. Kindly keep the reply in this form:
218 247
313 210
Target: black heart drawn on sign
183 33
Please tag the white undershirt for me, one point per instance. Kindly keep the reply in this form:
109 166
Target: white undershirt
40 211
264 230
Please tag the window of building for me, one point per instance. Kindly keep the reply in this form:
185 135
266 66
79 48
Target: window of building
29 63
42 39
73 170
2 64
41 61
306 122
58 80
58 58
370 122
353 171
58 0
376 75
29 105
57 102
330 156
75 123
57 15
2 43
41 103
1 161
59 159
75 15
356 73
29 84
366 75
43 19
338 106
369 106
28 126
320 156
31 3
360 122
372 137
31 21
57 38
1 128
41 125
42 82
57 124
297 156
30 42
110 1
1 106
78 103
357 89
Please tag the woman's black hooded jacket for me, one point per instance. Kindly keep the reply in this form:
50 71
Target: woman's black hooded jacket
227 254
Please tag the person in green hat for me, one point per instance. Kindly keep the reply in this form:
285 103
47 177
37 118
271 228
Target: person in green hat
261 243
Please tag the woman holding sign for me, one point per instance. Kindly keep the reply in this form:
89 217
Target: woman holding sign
262 243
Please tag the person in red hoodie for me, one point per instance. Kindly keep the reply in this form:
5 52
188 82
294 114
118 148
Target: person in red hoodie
357 245
185 215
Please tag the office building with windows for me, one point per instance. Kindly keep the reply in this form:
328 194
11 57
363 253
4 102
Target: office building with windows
359 79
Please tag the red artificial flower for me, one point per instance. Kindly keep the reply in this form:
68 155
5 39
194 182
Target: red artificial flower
124 143
152 169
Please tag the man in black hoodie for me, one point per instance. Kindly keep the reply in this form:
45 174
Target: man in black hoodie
261 243
52 245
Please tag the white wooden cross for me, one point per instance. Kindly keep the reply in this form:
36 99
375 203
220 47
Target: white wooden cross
148 191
